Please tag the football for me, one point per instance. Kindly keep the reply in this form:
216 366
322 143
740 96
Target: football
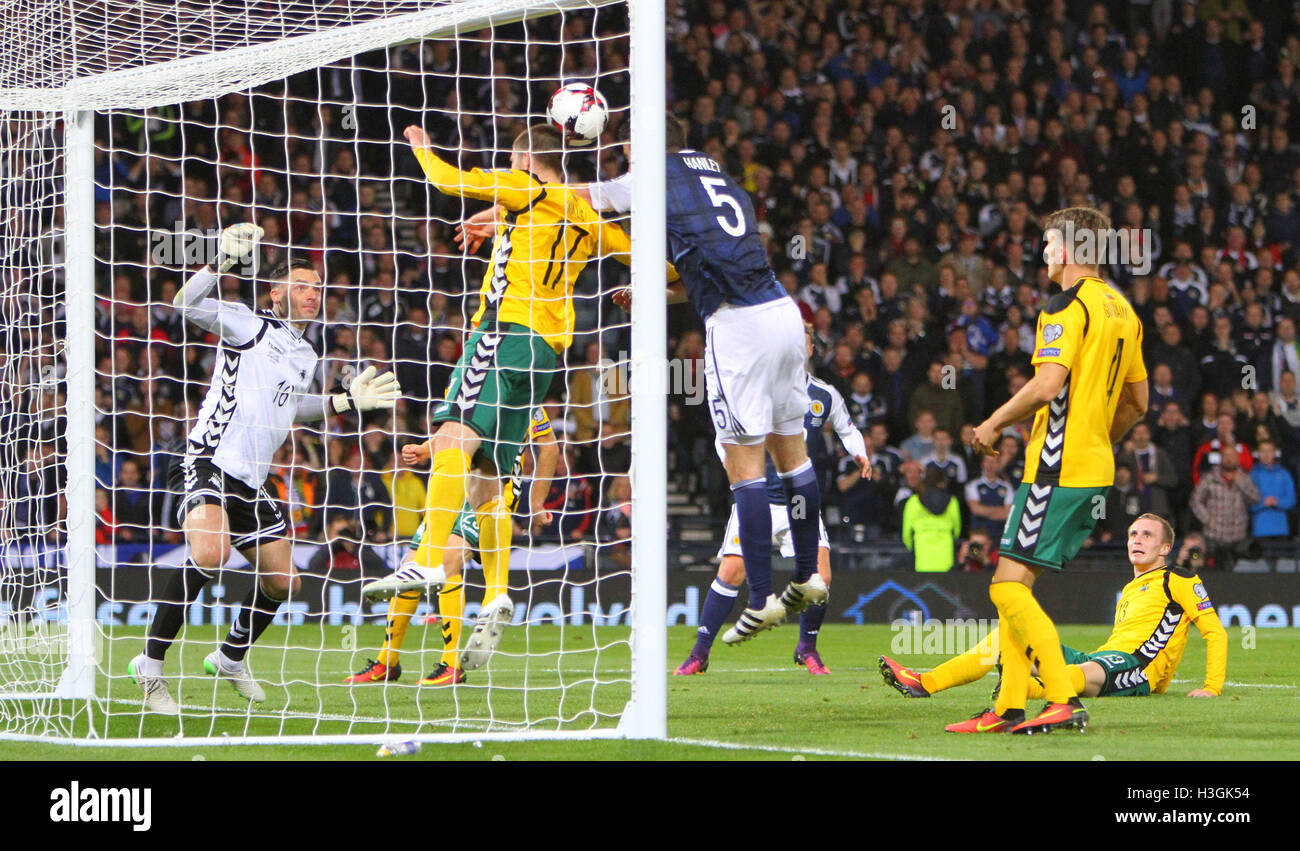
580 111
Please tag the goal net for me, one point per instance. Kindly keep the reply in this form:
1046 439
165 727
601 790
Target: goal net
131 135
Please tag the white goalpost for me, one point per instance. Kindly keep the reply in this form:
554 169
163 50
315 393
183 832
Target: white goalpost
131 133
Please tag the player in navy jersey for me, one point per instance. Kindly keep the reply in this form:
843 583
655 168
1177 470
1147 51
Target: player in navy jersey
754 373
754 363
825 405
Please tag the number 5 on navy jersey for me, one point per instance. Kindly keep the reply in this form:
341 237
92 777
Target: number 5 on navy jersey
736 228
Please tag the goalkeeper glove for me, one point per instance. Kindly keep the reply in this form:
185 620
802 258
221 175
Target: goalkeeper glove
236 245
368 392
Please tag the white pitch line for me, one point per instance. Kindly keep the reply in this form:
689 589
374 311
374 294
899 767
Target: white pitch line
299 715
737 746
1245 685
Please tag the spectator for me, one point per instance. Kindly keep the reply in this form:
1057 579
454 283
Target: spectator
1125 502
989 499
1154 473
598 395
1286 404
105 525
134 504
1224 442
931 525
942 459
862 502
1163 392
921 444
570 500
615 528
1276 495
1221 502
939 397
865 407
978 552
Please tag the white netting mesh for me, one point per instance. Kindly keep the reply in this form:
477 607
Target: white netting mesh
290 115
33 449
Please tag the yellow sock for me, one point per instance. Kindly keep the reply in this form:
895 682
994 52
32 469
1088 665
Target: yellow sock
400 609
966 668
1077 680
1040 634
451 614
1008 597
1036 691
494 533
442 503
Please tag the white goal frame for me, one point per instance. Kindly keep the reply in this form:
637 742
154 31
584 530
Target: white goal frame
645 715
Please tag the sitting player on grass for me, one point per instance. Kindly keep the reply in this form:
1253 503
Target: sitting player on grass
1142 652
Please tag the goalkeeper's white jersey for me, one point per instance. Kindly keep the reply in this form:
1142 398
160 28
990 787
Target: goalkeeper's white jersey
264 367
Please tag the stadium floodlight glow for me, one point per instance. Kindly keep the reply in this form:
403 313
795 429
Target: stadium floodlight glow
131 134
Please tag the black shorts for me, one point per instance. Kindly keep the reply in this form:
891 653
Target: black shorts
255 516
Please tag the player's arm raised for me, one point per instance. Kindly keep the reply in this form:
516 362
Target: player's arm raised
512 189
232 321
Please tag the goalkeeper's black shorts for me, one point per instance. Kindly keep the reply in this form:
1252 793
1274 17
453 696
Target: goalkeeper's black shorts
255 516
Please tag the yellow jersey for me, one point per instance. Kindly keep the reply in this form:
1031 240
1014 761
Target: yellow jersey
1152 618
1092 331
545 235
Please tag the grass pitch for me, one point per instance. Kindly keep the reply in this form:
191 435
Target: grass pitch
752 704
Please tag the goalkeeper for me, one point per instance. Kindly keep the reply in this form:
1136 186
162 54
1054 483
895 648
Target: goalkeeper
259 390
524 321
1152 618
464 542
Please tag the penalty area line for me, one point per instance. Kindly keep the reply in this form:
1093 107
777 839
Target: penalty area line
738 746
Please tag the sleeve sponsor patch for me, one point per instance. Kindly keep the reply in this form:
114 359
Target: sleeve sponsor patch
1049 353
1203 605
1052 332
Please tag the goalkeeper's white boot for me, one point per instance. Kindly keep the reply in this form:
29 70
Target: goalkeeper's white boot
754 621
798 596
408 577
157 695
240 677
491 624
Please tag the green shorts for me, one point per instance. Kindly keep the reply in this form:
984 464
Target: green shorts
1048 523
1125 673
466 526
502 376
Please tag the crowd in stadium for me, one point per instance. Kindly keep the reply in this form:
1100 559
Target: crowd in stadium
898 155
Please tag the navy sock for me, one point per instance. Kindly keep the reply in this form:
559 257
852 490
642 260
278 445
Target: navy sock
803 502
255 615
754 518
810 623
717 606
183 587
